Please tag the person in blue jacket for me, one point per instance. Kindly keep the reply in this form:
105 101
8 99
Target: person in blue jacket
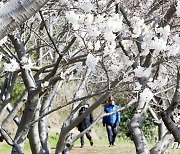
112 121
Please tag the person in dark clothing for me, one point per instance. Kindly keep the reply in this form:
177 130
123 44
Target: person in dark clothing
85 124
112 121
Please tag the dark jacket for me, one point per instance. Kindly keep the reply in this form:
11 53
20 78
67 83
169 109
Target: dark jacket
86 122
113 119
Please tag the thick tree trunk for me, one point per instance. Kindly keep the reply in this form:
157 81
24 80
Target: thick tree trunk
167 114
162 145
136 124
33 134
14 13
80 93
32 100
43 124
162 130
47 101
135 127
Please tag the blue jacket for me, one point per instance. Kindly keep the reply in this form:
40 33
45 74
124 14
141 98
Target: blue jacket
113 119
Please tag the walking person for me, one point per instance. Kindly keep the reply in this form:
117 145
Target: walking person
112 121
85 124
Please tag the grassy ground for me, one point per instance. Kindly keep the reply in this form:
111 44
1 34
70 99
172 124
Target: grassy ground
99 147
103 148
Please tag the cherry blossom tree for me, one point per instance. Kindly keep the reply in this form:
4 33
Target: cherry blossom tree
104 47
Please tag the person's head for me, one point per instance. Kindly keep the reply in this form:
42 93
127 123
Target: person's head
86 104
111 100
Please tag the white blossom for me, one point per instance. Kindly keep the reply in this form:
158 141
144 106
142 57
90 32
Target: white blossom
113 23
109 36
88 19
159 83
85 5
93 31
0 56
126 44
116 67
137 86
178 9
1 4
127 78
164 32
2 41
26 62
138 26
109 48
177 39
63 1
158 44
146 95
174 49
73 18
62 75
97 45
142 72
12 66
91 62
44 84
79 67
90 45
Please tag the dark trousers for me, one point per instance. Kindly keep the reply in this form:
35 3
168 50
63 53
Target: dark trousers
112 133
88 136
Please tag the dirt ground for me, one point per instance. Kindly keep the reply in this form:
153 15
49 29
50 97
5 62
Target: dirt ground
104 149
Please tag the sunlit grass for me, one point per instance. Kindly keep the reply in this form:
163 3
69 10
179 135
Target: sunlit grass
99 144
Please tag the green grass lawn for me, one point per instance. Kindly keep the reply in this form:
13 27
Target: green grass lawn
99 147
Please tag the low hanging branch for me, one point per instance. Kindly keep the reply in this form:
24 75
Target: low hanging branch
167 114
14 13
168 16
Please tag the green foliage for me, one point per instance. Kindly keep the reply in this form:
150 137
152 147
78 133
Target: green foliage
18 90
53 140
149 127
5 148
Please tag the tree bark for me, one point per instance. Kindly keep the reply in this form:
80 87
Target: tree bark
14 13
11 78
162 145
166 115
32 100
136 123
135 127
67 135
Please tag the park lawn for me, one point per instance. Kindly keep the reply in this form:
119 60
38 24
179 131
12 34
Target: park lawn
103 148
99 147
124 148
